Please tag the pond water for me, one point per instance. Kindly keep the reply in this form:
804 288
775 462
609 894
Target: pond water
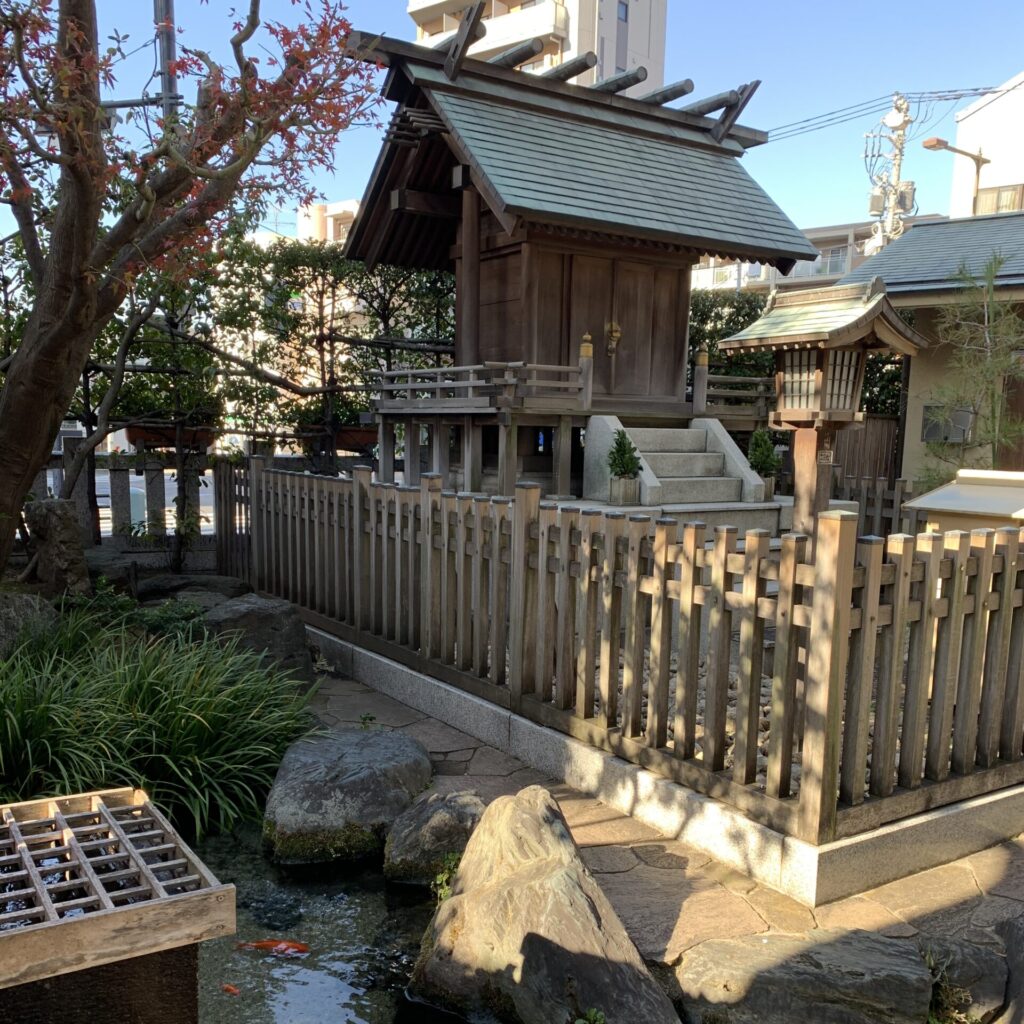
363 937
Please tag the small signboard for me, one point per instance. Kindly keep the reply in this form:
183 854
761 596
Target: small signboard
825 456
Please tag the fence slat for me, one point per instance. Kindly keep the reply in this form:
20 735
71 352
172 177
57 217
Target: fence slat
464 582
479 591
716 698
1010 733
947 658
997 650
500 591
968 696
546 621
611 606
430 574
565 599
525 511
921 663
635 640
656 733
888 698
684 727
586 616
449 581
751 659
857 724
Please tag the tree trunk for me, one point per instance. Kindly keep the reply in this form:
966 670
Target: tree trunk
37 394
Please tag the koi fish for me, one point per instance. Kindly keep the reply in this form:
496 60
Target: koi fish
276 947
232 990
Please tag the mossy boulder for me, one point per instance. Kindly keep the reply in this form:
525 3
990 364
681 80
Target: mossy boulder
336 794
23 617
422 838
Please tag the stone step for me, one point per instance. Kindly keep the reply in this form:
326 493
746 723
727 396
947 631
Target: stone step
743 515
695 489
668 439
669 464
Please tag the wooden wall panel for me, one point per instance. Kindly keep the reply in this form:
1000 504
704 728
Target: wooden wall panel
633 311
590 309
501 307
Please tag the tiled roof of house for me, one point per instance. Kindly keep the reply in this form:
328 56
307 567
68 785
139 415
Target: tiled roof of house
932 256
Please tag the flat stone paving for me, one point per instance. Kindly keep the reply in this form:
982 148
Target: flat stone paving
671 897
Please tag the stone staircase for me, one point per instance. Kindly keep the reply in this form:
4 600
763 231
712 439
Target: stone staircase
687 472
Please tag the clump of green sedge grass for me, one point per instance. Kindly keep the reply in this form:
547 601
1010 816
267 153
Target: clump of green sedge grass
119 695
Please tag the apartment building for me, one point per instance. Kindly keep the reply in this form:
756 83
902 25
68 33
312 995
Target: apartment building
624 34
988 165
326 222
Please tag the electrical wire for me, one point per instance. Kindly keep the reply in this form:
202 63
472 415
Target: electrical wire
869 108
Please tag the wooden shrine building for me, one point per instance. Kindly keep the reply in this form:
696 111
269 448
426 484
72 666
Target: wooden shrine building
571 217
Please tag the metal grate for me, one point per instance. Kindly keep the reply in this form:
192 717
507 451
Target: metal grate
97 857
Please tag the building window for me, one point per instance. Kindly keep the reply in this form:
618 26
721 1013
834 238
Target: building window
833 260
1005 199
623 10
940 426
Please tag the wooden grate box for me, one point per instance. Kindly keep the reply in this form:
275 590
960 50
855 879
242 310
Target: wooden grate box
98 877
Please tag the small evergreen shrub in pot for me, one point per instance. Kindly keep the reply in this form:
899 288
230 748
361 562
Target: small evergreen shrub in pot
624 465
763 460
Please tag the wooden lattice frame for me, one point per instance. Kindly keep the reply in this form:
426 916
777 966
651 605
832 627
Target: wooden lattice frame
98 877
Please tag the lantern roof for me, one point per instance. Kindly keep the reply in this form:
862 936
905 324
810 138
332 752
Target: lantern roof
837 317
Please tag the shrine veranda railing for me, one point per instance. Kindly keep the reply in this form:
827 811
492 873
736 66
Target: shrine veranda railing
892 682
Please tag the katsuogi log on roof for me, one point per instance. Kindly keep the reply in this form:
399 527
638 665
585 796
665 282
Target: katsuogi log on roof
545 154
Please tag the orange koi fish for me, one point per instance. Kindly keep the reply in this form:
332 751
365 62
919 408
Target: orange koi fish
232 990
276 947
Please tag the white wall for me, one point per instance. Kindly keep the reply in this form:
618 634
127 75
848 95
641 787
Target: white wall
992 124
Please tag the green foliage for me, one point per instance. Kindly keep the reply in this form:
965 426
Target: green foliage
883 384
761 454
982 335
441 886
366 720
112 608
623 460
718 313
592 1016
102 702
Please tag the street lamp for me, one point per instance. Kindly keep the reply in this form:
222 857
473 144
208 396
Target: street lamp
935 144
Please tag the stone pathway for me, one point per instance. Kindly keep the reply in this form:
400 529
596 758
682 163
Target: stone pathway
671 897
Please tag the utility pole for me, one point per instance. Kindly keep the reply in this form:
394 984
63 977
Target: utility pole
163 16
891 196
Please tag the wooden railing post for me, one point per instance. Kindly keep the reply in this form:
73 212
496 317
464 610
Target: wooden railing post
525 511
827 657
120 498
700 383
386 451
586 372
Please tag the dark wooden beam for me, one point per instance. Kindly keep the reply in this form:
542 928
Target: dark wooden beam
518 54
622 81
470 29
668 93
733 111
711 103
571 68
467 341
429 204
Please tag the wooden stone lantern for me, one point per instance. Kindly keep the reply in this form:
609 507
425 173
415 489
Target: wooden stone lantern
821 338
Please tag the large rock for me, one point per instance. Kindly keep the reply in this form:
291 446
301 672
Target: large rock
828 977
528 936
165 585
23 616
268 625
425 835
60 565
335 795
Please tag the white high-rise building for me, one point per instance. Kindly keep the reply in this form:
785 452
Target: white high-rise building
624 34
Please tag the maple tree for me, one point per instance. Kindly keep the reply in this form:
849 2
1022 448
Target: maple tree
96 208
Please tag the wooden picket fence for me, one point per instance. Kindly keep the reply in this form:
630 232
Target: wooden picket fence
232 506
896 678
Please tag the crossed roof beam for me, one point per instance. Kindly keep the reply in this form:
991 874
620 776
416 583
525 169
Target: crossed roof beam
730 103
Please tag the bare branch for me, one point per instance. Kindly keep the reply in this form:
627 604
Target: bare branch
103 428
242 36
21 207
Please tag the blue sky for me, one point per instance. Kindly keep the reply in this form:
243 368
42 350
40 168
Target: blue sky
812 57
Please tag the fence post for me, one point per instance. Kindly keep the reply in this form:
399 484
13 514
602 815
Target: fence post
120 499
257 549
827 656
700 383
80 492
156 497
586 372
525 510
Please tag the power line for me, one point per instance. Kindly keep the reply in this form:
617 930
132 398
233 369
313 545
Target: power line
869 108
